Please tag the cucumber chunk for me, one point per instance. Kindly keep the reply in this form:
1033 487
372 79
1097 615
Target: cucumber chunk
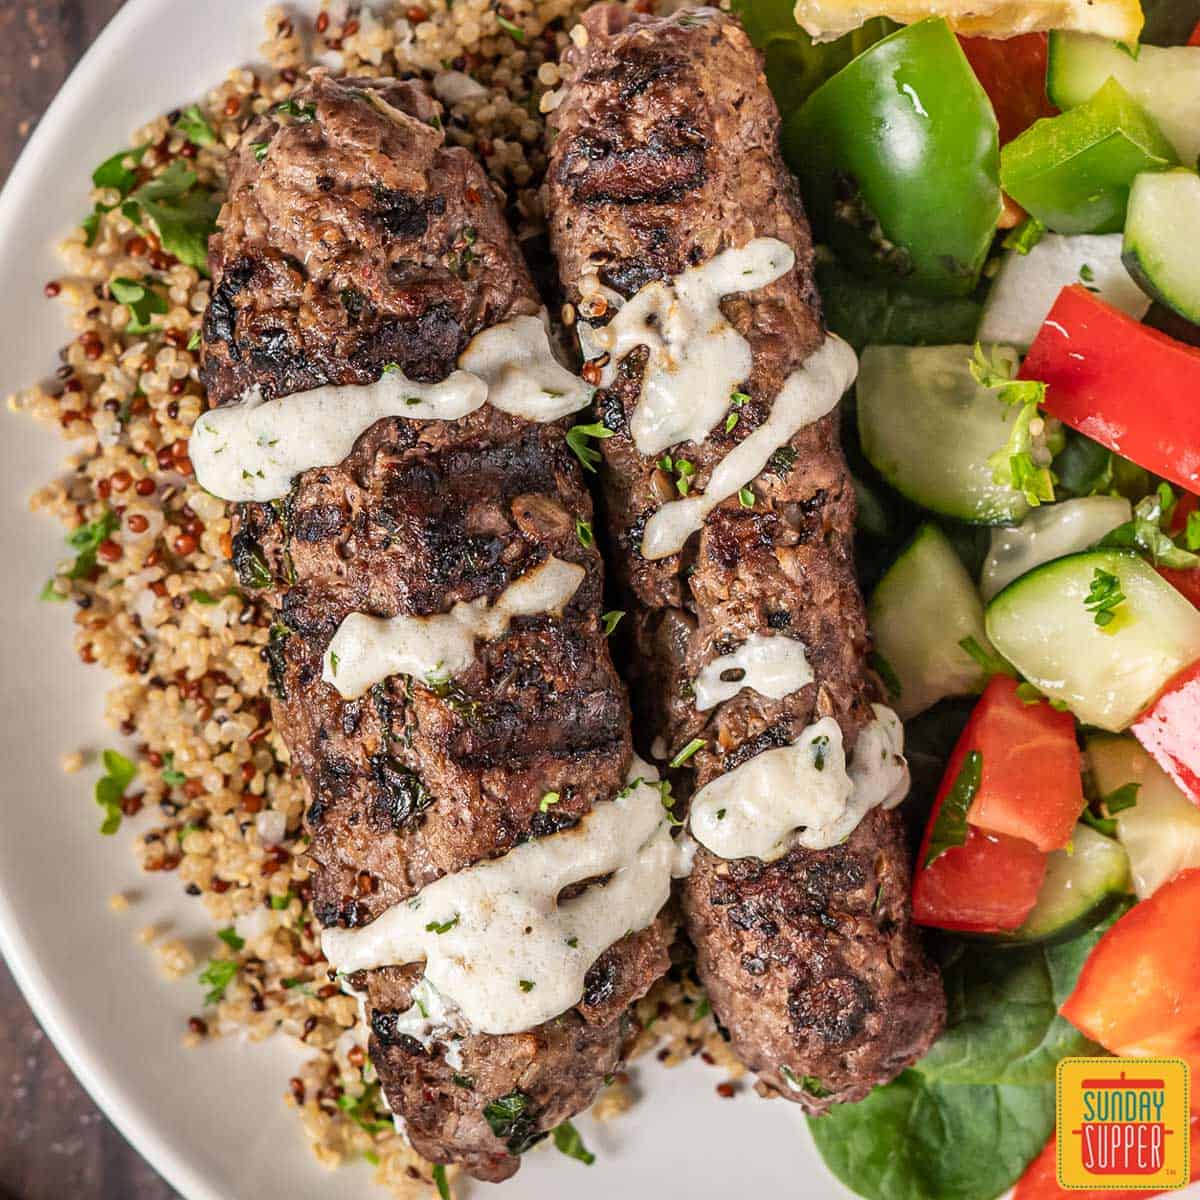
1050 532
1105 674
1164 81
921 610
1028 284
1161 832
1165 264
1080 887
928 428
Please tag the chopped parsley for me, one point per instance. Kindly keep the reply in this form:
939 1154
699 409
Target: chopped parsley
736 401
567 1141
703 1008
1148 532
182 211
440 927
527 985
692 748
467 1082
746 497
142 302
119 773
298 112
513 30
217 976
260 150
364 1110
194 341
887 673
230 937
583 531
195 127
1019 463
202 597
440 1182
577 440
1025 236
683 470
610 620
86 541
513 1119
986 657
279 903
820 751
1104 597
171 776
112 173
950 828
1119 799
782 461
334 661
804 1083
548 800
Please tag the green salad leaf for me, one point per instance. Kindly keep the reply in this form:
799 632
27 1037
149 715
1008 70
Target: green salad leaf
921 1140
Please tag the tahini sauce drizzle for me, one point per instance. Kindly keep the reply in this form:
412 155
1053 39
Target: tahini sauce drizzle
366 650
803 794
495 940
697 360
252 450
771 666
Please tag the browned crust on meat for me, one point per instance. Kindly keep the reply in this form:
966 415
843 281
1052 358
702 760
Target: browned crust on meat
666 153
353 239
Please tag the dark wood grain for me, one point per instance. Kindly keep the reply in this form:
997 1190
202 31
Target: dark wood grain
54 1143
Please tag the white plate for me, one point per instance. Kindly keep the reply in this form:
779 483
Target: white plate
212 1120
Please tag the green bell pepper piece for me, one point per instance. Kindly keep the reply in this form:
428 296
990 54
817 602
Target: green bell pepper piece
1073 172
898 162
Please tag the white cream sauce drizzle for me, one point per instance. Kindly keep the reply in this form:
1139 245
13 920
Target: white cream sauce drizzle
252 450
809 393
509 955
771 666
803 794
365 650
697 360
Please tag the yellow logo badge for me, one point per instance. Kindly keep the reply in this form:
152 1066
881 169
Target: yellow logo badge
1123 1123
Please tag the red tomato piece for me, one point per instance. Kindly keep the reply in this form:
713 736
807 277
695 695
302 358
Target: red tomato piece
1170 728
1121 383
1040 1181
1139 991
1013 73
1032 786
987 885
1194 40
1186 582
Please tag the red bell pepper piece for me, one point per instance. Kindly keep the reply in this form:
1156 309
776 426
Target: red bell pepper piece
1040 1181
990 883
1013 73
1032 786
1121 383
1139 991
1170 730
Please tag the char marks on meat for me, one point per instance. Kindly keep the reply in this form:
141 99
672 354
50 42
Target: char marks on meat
354 239
665 154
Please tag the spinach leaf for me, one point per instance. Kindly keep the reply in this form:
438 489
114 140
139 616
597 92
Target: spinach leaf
922 1140
1002 1022
867 313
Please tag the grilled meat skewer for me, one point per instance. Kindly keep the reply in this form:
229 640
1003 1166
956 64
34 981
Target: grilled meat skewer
358 252
682 245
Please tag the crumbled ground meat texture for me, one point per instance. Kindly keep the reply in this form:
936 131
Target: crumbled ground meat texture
666 153
352 239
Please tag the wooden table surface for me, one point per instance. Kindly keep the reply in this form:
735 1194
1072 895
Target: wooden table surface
54 1143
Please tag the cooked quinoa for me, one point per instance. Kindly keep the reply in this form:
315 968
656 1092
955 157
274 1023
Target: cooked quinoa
156 602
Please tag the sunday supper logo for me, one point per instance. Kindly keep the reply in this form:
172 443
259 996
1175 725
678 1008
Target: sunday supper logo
1123 1123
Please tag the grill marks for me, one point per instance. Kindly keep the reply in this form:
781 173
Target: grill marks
665 154
418 779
